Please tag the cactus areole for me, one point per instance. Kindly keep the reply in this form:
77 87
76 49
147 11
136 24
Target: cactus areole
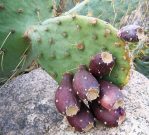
73 40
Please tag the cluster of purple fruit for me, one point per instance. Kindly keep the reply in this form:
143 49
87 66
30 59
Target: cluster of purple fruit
86 97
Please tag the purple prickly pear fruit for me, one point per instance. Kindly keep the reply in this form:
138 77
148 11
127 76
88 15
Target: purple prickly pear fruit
101 64
83 121
85 85
129 33
112 118
66 100
110 96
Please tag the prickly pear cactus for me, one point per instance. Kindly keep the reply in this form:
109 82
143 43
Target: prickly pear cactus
109 10
65 42
15 17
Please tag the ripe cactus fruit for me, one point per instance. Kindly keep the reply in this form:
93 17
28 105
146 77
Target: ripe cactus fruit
112 118
85 85
73 40
83 121
65 99
101 64
110 96
129 33
15 48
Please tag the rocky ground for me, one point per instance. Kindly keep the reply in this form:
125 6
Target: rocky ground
27 107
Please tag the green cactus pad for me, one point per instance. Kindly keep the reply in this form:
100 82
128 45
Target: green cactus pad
142 66
141 58
15 17
108 10
73 40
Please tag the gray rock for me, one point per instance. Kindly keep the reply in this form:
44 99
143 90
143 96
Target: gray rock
27 108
